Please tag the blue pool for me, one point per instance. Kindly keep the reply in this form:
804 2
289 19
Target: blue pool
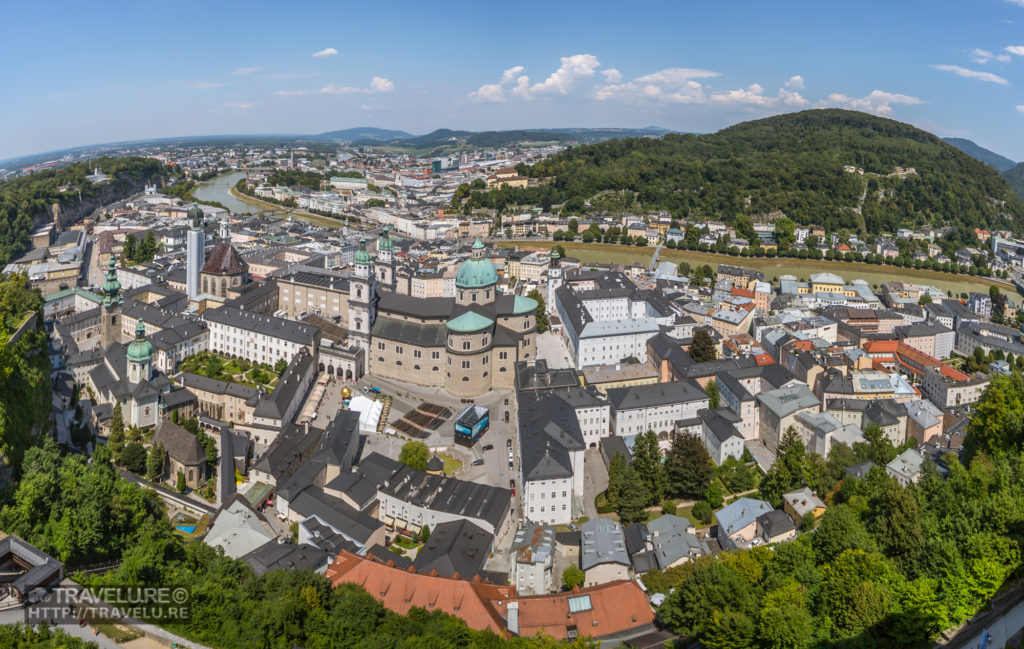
187 529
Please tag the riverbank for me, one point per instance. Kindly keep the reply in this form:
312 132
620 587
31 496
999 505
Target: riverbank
301 215
772 268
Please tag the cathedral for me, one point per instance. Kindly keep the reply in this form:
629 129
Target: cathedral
468 344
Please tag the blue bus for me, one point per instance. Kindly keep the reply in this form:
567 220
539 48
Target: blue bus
471 424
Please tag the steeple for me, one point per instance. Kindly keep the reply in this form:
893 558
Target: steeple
362 256
111 287
195 216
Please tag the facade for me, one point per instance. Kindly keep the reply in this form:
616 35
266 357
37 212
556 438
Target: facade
551 446
533 551
306 292
256 337
467 345
778 410
655 407
223 270
603 555
737 523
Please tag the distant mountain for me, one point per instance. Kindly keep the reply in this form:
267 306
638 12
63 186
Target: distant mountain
363 133
443 141
800 164
1015 177
991 158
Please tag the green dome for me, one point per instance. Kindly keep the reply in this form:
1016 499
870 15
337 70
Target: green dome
362 257
111 287
385 242
469 322
477 271
140 350
523 305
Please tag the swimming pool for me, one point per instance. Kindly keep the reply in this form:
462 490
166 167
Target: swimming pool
187 529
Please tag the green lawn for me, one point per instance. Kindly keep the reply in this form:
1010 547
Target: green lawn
451 464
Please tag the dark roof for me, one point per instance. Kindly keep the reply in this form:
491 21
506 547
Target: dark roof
644 561
655 394
289 556
378 468
289 330
224 260
335 513
548 431
636 537
206 384
287 389
455 547
427 308
355 486
449 495
180 444
383 555
775 522
860 470
35 568
411 333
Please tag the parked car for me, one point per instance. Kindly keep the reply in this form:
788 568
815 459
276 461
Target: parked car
488 447
478 462
508 442
510 466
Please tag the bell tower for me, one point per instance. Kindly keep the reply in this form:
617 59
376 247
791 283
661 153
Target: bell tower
110 311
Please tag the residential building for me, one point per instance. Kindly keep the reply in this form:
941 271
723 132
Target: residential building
533 550
737 523
657 407
603 555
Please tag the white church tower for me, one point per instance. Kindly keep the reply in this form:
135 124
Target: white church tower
554 280
195 251
361 298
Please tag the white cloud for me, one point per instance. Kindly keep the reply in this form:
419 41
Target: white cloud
1004 58
752 95
237 104
573 69
510 74
978 55
611 75
987 77
249 70
377 85
380 84
1019 3
490 92
290 93
1020 108
796 82
495 92
324 53
670 86
1015 49
198 85
877 101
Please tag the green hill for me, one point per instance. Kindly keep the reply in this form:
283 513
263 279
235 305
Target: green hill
1001 163
790 163
1015 177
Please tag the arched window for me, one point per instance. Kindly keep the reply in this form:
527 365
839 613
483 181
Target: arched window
465 345
465 379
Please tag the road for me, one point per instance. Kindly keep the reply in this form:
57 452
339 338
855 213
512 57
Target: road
1002 622
595 480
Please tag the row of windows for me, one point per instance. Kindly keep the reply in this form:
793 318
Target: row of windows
554 494
542 508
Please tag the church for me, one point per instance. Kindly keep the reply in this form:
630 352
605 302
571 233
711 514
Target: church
468 344
125 373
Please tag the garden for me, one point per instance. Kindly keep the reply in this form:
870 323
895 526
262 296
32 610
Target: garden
234 370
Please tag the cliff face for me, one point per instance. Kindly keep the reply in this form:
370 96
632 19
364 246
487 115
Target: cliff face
67 212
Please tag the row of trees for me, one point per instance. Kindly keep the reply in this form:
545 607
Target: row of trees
139 251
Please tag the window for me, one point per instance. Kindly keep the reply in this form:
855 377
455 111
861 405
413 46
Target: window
434 369
485 360
465 345
473 297
398 349
435 355
465 365
380 346
484 341
417 353
503 356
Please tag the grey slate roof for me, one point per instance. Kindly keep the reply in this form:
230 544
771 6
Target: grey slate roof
336 513
601 542
289 556
774 523
179 444
449 495
548 431
289 330
411 333
455 547
656 394
672 541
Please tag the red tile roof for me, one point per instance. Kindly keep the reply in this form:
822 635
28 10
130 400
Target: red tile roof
400 590
614 608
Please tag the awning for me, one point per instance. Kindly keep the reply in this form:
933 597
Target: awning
388 520
415 529
401 523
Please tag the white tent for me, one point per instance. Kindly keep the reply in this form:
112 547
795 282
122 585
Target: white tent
369 412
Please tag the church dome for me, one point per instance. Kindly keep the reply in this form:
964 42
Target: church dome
385 242
140 350
477 271
362 257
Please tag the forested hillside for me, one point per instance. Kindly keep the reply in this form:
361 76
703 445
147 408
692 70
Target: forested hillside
791 163
24 199
24 370
1015 177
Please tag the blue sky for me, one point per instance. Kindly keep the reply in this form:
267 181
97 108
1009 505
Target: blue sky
86 73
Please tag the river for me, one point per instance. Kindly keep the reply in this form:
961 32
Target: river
217 189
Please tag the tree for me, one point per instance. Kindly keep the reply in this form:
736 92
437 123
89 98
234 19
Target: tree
116 439
155 462
572 577
688 467
425 533
880 449
280 366
616 474
542 314
702 511
789 470
925 299
713 396
703 347
180 485
840 529
714 496
130 248
633 498
414 454
647 465
133 458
